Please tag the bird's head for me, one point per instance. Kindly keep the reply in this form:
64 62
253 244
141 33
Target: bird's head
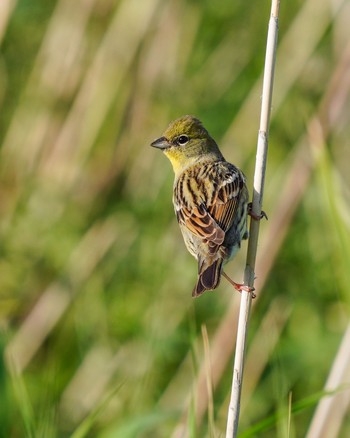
186 142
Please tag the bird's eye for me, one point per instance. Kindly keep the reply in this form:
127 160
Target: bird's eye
183 139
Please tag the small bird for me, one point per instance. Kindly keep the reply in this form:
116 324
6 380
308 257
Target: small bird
210 199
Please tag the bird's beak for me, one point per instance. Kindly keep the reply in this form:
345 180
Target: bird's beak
161 143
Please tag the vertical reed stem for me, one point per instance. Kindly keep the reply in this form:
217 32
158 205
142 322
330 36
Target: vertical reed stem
259 178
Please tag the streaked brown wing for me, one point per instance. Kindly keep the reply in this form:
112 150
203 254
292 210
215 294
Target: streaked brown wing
201 224
223 214
212 218
224 207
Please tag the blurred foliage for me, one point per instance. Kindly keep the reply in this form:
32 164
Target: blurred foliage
100 335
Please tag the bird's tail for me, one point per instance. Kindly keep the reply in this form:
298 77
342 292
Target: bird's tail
208 278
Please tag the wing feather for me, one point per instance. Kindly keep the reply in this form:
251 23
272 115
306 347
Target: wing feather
208 205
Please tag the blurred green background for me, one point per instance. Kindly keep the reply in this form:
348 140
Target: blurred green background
99 333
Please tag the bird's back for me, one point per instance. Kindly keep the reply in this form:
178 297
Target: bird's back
210 202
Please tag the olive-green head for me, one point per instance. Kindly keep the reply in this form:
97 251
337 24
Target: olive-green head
185 142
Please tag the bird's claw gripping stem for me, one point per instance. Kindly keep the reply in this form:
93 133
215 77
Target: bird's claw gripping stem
255 216
240 286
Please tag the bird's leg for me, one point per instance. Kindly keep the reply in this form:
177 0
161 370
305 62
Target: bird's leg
239 286
255 216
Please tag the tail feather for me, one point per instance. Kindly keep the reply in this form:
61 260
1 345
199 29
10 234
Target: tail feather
208 278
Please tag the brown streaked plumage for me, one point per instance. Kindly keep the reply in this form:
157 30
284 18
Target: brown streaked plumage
210 198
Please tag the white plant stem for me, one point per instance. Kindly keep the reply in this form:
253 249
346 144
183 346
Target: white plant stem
259 178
